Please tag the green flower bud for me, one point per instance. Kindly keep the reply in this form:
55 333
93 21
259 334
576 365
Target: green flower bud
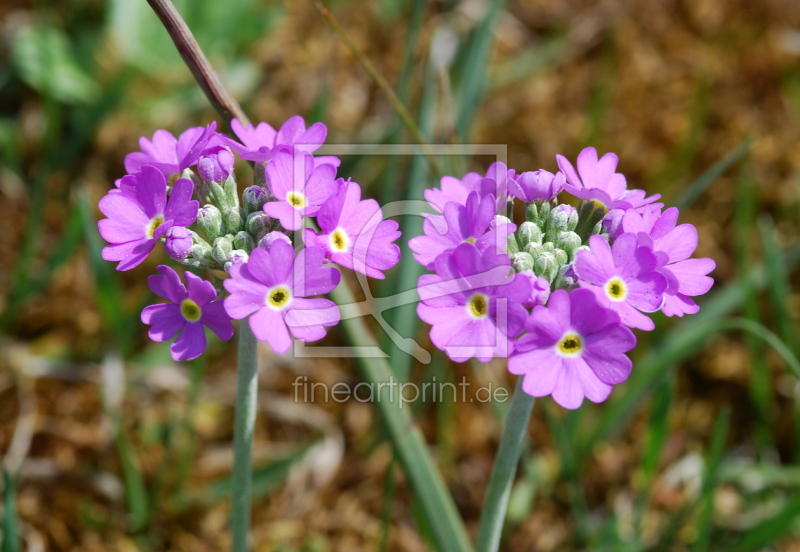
236 256
563 218
201 249
209 220
231 191
546 266
562 281
561 257
568 241
534 249
512 246
529 233
222 249
254 198
244 240
234 220
521 261
258 224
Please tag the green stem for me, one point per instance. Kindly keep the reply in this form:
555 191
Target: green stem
505 468
246 393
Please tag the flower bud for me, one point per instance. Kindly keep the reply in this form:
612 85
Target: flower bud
222 249
231 190
561 257
565 278
216 164
178 242
267 241
538 212
243 240
209 219
545 266
568 241
529 233
234 219
538 185
257 224
500 220
612 223
201 249
511 245
564 218
254 198
521 261
236 256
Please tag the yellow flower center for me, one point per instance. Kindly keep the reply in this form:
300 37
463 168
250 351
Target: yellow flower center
340 241
153 225
279 297
173 178
478 306
469 240
296 200
570 345
616 290
190 310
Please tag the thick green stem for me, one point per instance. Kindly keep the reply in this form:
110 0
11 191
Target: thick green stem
246 395
505 468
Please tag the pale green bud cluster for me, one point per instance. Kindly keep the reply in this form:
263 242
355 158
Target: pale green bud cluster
549 239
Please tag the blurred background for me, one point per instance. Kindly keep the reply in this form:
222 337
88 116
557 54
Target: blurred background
109 445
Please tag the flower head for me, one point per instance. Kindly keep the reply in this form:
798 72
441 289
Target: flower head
623 277
474 303
139 214
274 286
574 348
354 234
216 164
187 312
496 182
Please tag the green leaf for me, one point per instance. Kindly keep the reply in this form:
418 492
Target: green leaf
10 530
44 58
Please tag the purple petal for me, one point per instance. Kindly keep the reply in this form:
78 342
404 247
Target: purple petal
166 320
168 284
691 274
181 208
201 291
605 353
217 319
268 325
190 344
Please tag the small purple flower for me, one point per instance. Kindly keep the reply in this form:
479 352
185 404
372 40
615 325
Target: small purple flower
271 237
471 223
673 245
178 242
260 143
216 164
537 186
187 310
474 303
169 155
597 180
299 188
496 182
139 215
273 286
354 234
540 289
623 278
574 348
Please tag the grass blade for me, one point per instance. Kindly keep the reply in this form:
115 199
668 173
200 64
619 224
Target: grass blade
710 480
716 170
10 529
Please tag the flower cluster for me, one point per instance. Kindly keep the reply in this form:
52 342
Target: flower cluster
559 293
183 193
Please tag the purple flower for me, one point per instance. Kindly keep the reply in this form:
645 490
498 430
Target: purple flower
299 188
273 286
471 223
540 289
169 155
537 186
139 215
187 310
354 234
574 348
496 182
623 278
178 242
260 143
597 180
216 164
673 245
474 303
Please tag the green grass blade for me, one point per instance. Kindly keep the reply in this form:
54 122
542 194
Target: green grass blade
767 532
136 496
710 480
447 528
716 170
10 529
